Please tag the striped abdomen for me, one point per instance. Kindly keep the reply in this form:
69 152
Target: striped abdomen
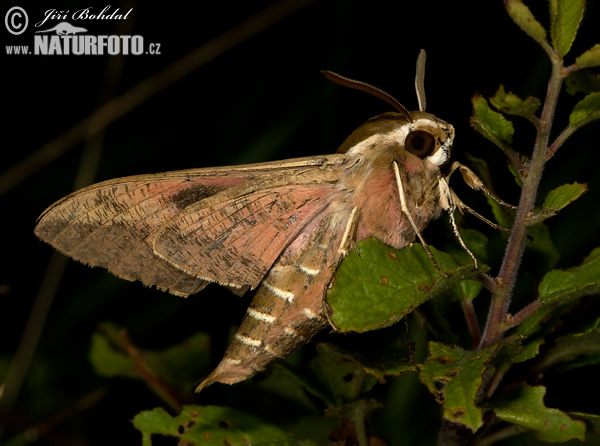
287 310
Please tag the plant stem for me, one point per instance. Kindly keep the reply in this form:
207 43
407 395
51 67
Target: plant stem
523 314
471 318
507 275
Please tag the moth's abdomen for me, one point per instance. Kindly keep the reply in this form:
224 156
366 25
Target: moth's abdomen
287 310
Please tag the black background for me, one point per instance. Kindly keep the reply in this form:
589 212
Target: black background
262 100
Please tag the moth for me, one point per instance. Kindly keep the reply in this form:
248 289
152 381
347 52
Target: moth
282 227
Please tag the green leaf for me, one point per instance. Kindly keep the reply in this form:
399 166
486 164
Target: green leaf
556 200
376 285
586 110
562 196
591 420
210 425
477 243
575 282
524 406
110 361
516 175
542 247
342 374
512 104
535 323
530 350
306 382
585 347
386 355
565 16
582 81
491 124
525 20
454 376
590 58
113 355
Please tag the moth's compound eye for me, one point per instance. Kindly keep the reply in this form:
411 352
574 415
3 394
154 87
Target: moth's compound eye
420 142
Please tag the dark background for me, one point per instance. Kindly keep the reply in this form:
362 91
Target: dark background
263 99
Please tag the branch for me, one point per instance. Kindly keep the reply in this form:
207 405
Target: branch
496 322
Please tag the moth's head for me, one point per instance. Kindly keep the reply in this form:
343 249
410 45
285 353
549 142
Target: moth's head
403 134
392 136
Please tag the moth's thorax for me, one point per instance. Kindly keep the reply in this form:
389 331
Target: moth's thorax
376 145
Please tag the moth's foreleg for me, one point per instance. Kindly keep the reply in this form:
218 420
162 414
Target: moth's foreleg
448 203
406 212
347 238
463 207
475 183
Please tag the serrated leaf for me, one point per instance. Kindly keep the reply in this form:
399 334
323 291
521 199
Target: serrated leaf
524 406
583 346
525 20
562 196
586 110
591 420
530 350
582 81
565 16
590 58
342 374
210 425
579 281
512 104
454 376
492 125
376 285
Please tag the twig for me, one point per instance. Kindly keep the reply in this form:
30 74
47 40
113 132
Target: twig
507 276
471 318
517 319
149 376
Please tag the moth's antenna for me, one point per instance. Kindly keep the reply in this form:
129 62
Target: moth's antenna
368 88
420 80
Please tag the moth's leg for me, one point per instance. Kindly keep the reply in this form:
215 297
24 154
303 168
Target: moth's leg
405 211
447 202
475 183
345 245
463 207
348 232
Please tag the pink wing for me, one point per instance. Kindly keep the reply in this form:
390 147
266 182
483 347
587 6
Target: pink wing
179 230
236 241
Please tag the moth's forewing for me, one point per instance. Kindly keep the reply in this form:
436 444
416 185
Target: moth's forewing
234 237
115 224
